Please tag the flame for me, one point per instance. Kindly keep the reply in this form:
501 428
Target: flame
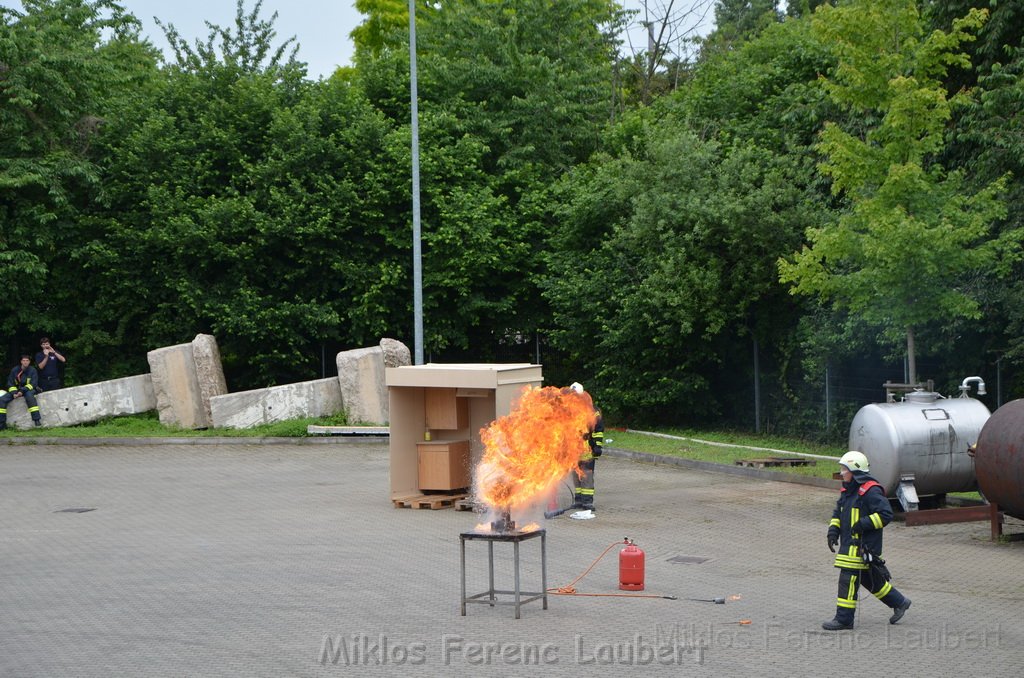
736 597
484 528
528 451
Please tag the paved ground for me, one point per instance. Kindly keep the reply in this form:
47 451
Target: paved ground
241 559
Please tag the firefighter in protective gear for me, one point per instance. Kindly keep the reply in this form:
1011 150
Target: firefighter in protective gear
584 484
21 383
856 526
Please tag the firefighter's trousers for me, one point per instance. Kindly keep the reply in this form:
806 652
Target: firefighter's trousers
30 402
584 496
851 580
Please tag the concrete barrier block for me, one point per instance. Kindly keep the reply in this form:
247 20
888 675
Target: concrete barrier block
364 391
179 400
209 371
360 372
185 378
396 354
87 403
319 398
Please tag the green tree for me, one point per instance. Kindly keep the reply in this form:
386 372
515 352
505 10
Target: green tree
903 254
1002 32
663 270
512 94
386 26
737 21
245 201
248 48
661 265
62 65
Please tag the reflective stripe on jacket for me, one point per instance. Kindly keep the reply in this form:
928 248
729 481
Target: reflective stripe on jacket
596 439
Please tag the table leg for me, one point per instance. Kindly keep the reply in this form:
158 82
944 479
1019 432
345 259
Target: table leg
516 545
543 568
462 553
490 572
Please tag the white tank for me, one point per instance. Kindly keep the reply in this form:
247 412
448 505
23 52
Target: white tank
925 435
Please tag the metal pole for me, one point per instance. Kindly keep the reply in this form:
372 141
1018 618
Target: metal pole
757 390
417 267
999 383
828 410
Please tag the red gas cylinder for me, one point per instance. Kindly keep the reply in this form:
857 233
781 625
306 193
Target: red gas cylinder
631 568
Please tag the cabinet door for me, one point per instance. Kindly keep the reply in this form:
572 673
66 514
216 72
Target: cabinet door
444 411
443 465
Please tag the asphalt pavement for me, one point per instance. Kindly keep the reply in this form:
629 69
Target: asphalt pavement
285 558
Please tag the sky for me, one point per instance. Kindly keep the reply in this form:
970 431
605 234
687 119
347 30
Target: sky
321 27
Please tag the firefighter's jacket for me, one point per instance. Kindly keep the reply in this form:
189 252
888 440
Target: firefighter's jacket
596 439
860 514
22 378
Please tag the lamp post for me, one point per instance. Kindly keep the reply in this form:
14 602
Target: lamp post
417 266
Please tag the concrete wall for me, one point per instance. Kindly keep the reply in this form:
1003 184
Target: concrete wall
318 398
209 372
185 378
364 393
91 402
186 386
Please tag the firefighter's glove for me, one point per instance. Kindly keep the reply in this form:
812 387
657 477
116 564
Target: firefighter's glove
833 538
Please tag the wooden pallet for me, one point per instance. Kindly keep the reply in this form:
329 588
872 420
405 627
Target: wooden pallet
428 501
776 461
468 504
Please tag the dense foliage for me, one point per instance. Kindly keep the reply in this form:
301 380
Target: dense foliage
642 235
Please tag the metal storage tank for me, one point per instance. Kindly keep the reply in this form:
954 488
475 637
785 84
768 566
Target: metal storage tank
921 445
999 458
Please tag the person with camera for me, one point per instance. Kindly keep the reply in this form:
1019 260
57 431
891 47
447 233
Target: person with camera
48 360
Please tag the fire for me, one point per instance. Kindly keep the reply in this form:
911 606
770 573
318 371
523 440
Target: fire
528 451
486 527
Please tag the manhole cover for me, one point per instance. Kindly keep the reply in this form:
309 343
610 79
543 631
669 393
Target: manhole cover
688 560
74 510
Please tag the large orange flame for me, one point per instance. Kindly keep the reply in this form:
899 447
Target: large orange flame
532 448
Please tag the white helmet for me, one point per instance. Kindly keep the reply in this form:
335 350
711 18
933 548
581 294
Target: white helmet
854 460
577 386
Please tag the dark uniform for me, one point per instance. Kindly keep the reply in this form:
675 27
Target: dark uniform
21 379
49 373
584 497
857 521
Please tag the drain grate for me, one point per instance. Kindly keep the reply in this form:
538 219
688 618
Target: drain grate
688 560
74 510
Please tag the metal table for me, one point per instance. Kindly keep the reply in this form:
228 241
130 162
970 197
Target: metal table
490 596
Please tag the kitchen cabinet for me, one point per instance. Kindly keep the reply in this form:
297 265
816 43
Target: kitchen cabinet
445 411
443 464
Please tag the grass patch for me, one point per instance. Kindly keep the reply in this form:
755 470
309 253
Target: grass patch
692 449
